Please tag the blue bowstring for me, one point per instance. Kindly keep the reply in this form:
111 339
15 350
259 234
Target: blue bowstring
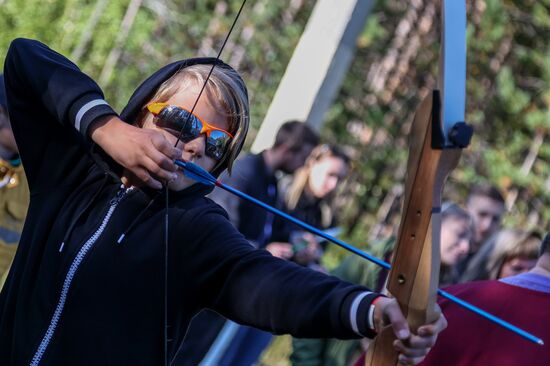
198 174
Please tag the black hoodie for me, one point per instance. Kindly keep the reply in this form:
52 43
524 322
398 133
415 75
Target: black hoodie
75 296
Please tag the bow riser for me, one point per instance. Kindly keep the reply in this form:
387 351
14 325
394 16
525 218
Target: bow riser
414 277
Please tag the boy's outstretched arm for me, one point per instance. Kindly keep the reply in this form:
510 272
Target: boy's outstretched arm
254 288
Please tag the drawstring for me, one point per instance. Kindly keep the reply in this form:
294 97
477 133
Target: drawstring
166 340
79 215
137 218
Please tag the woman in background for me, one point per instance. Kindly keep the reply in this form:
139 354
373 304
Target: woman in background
514 252
308 197
509 252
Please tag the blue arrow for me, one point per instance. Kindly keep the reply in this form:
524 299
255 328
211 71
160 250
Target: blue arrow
200 175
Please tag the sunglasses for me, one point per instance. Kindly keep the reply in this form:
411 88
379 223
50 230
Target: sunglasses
179 119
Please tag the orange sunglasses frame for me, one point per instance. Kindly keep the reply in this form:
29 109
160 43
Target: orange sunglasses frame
156 107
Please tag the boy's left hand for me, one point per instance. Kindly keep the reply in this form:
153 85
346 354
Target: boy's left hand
412 348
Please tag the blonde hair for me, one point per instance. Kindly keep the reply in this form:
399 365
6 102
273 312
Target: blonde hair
509 244
226 89
301 176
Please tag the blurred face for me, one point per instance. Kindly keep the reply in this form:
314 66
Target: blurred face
194 150
487 215
325 175
515 266
455 240
295 158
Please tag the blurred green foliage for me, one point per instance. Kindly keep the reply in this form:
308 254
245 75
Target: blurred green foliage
508 82
163 31
508 98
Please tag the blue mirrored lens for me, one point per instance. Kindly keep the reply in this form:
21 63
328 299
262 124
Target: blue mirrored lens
179 120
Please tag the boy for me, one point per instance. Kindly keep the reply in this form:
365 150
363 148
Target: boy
92 282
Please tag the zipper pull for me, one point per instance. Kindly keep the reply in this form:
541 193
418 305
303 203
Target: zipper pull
116 199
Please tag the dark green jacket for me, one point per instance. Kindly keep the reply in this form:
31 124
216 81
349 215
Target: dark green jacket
14 201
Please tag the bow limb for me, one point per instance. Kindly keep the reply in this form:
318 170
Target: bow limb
435 140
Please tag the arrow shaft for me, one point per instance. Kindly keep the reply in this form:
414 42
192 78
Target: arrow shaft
379 262
304 226
491 317
206 178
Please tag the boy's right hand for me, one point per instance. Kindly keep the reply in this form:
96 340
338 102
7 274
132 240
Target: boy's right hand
146 153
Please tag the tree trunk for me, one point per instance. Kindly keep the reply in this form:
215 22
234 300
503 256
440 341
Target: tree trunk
122 35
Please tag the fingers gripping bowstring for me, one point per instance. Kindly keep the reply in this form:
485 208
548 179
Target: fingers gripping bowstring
166 185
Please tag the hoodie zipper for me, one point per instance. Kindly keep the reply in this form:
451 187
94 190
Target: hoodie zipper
77 261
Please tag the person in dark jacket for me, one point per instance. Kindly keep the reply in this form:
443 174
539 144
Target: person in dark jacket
486 206
99 278
255 174
309 197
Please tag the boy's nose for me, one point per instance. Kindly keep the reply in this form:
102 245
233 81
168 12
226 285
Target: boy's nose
196 147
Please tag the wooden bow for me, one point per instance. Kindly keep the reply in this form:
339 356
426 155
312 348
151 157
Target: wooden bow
435 149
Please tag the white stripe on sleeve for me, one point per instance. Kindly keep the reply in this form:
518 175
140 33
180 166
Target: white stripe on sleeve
85 108
371 317
353 311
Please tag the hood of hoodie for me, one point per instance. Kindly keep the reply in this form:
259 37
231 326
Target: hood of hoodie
139 98
147 89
